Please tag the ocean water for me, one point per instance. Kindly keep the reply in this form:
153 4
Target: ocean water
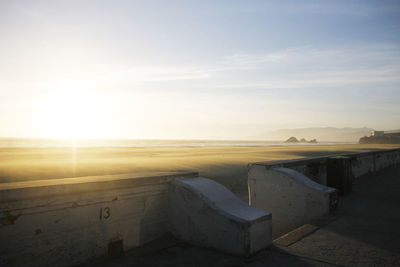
35 142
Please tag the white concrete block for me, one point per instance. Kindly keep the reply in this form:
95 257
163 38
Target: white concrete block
205 213
292 198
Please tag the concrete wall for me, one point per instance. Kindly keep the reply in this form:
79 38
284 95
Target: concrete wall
64 222
283 187
361 164
313 168
292 198
205 213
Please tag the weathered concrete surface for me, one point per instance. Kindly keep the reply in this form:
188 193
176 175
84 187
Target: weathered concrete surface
286 203
292 198
171 252
364 230
361 164
364 163
66 221
207 214
314 168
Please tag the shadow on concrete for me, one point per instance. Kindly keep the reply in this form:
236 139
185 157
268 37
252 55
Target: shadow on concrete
365 228
168 251
370 213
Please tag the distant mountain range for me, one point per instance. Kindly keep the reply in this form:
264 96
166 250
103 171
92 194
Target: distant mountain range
325 134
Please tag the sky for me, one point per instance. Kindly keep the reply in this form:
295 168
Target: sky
196 69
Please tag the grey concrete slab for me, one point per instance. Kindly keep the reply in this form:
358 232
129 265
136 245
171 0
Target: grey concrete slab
171 252
205 213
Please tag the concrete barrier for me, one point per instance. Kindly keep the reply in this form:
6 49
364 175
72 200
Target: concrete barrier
292 198
313 168
285 189
206 213
64 222
361 164
364 163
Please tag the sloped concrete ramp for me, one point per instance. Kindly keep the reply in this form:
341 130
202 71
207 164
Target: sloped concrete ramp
207 214
292 198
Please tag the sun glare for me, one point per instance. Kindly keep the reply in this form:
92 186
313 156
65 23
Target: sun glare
74 113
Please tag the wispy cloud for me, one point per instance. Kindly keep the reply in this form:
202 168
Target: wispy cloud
299 67
307 67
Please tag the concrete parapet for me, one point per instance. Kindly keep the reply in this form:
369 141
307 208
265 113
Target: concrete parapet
364 163
206 213
313 168
63 222
361 164
292 198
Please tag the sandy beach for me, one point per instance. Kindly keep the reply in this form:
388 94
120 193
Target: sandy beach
225 164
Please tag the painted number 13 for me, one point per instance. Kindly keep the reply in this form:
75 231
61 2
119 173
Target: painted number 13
104 213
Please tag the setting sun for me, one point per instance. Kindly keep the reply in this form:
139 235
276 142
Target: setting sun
75 113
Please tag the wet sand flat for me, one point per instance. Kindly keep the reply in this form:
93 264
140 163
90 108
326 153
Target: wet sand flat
225 164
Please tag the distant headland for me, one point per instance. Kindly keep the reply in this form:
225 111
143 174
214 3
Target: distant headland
322 134
381 137
302 140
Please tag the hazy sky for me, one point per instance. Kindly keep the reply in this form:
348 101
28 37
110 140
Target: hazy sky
196 69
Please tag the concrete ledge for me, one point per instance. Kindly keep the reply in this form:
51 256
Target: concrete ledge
75 185
207 214
292 198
